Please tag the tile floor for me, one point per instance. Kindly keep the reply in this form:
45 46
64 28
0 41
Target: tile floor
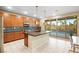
55 45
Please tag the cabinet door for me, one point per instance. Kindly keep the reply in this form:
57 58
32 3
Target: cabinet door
15 21
7 20
13 36
5 38
1 14
25 19
13 18
30 21
20 21
16 35
8 37
21 34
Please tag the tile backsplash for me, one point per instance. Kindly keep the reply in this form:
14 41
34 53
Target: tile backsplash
13 29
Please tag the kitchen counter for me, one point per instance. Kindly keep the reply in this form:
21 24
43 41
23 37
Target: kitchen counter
37 39
36 33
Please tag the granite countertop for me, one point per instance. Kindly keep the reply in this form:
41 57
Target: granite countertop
35 33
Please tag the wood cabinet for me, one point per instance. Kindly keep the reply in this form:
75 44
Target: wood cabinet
16 35
1 13
21 34
8 37
20 21
12 21
13 36
7 20
26 19
13 18
32 21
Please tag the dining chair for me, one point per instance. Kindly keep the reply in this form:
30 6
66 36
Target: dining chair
74 40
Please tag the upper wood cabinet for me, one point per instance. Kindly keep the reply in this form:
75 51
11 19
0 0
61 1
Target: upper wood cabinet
32 21
26 19
1 14
7 20
20 21
13 18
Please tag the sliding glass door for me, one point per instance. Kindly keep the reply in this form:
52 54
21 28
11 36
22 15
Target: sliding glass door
62 27
53 28
71 25
48 25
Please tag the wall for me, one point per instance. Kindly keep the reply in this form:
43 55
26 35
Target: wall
1 34
42 24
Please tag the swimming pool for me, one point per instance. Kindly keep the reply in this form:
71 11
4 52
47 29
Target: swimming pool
59 34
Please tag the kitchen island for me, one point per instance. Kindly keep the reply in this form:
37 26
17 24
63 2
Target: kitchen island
37 39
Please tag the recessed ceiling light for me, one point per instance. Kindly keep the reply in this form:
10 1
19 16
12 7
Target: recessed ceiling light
41 17
34 15
25 12
9 7
54 14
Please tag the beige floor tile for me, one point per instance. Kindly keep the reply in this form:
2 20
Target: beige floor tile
55 45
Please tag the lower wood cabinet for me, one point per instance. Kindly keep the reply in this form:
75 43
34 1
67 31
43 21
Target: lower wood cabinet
13 36
16 35
8 37
21 34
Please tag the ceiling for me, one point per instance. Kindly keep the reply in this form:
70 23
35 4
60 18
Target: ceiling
41 11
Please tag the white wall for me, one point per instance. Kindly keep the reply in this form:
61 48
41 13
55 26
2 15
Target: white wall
42 24
1 34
